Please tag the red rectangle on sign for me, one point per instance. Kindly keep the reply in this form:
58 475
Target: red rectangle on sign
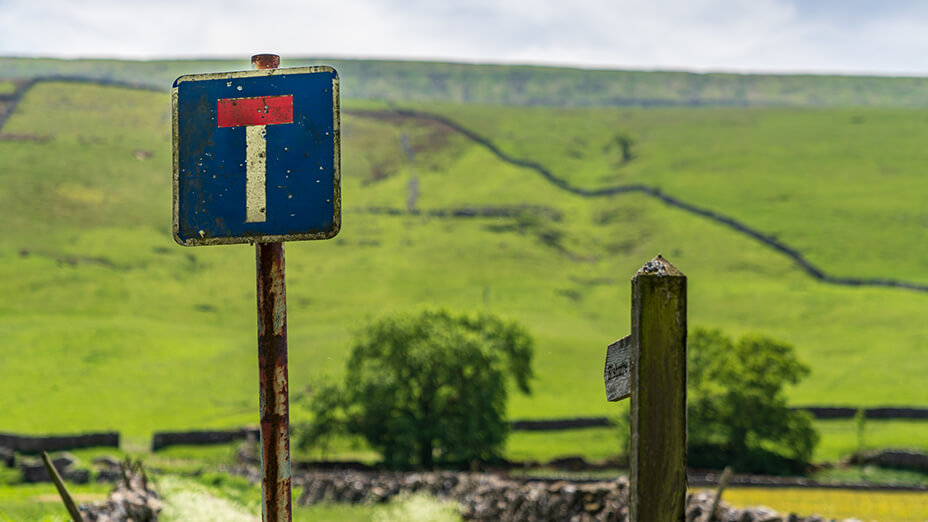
261 110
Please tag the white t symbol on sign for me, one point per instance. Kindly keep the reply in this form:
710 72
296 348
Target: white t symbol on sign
255 114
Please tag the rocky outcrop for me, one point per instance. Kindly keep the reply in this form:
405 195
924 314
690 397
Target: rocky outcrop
132 499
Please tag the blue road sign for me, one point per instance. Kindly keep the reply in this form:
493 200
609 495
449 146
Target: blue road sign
256 156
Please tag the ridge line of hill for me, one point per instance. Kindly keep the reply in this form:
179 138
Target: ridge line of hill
25 86
797 257
804 264
526 85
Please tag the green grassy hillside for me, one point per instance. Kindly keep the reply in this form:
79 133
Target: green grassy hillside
842 186
523 85
107 323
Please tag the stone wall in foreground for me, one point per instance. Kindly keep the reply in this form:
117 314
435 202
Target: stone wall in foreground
487 497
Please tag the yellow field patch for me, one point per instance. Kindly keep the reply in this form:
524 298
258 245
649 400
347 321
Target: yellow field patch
884 506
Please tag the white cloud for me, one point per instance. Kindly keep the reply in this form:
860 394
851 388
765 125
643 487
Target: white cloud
760 35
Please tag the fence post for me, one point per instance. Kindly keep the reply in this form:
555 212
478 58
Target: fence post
62 489
650 366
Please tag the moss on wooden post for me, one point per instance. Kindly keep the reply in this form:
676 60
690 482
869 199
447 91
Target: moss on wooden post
658 398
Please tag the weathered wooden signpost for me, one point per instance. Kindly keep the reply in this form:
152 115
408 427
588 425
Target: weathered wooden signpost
256 160
650 367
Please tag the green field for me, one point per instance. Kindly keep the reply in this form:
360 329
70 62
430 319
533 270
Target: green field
838 440
107 324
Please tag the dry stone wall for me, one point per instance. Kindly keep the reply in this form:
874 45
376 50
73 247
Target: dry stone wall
161 440
486 497
34 470
38 444
892 458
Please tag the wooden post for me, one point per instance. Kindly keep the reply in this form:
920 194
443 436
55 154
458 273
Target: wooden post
650 366
723 483
658 459
62 489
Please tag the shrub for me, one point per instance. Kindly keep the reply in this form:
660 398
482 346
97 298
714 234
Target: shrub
427 388
737 411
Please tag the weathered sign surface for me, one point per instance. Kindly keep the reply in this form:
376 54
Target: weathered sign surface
618 372
256 156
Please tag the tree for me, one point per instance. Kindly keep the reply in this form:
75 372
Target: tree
427 388
737 407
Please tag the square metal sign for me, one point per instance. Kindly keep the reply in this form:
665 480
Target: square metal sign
256 156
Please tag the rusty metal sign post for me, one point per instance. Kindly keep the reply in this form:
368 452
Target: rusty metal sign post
650 367
274 382
273 375
256 160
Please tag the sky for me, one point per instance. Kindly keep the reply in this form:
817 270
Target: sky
886 37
